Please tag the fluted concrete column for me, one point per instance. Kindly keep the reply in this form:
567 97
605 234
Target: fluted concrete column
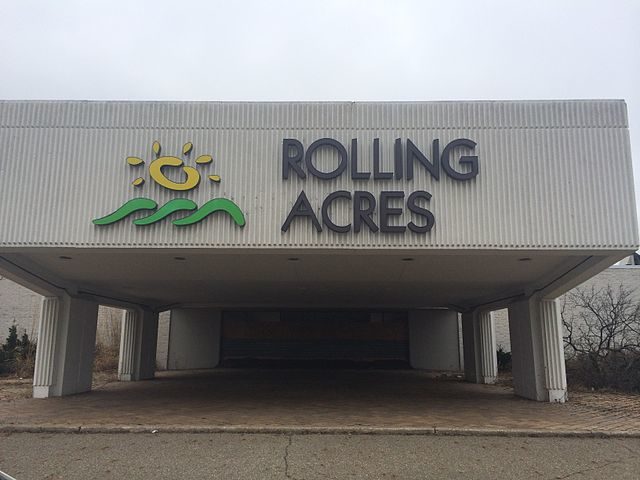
479 346
537 350
553 351
66 345
471 347
43 375
138 341
128 342
488 355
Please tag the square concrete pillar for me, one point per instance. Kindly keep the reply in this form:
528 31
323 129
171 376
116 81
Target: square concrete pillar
471 347
66 346
433 340
479 347
537 353
488 350
138 341
194 338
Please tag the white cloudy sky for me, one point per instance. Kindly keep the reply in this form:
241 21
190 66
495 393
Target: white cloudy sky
323 50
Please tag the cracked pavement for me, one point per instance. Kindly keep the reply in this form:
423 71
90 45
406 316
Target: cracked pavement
301 457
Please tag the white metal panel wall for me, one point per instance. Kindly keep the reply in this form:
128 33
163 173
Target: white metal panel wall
553 174
433 340
194 339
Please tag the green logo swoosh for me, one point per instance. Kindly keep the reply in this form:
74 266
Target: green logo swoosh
127 209
215 205
172 206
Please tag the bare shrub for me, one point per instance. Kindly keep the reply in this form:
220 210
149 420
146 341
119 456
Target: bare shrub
106 358
602 337
108 340
25 361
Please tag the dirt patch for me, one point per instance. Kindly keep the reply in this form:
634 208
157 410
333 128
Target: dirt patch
106 358
607 402
100 379
505 379
14 388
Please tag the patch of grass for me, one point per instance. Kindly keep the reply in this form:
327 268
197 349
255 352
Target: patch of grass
106 358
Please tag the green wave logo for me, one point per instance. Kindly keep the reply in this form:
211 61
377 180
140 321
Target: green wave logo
127 209
212 206
173 206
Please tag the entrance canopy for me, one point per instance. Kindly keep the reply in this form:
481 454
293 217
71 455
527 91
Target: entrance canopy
385 205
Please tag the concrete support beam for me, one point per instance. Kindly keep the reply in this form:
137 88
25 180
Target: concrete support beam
194 338
526 351
433 340
537 353
43 375
553 351
138 340
128 342
66 345
479 346
148 345
488 354
471 347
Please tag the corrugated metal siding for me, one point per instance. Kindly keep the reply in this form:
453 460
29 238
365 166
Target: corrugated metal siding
553 174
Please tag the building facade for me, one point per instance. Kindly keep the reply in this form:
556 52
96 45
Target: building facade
305 231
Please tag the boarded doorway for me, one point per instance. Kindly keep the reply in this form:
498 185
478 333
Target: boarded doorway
339 339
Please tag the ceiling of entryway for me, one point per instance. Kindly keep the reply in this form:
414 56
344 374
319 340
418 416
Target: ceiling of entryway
321 279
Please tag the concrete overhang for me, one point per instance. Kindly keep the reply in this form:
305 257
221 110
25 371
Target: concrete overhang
162 278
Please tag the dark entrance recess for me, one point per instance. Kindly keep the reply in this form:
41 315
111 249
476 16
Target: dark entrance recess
315 339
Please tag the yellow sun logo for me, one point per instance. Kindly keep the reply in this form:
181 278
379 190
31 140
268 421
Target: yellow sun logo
161 162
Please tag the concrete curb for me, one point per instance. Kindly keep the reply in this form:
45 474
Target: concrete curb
295 430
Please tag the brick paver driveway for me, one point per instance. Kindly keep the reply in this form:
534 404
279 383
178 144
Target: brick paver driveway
320 398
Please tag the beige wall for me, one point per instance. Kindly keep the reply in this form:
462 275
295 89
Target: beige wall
162 350
109 324
18 305
501 318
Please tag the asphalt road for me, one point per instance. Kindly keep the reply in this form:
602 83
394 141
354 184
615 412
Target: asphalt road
257 456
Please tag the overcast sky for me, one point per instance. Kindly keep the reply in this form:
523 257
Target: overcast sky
323 50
